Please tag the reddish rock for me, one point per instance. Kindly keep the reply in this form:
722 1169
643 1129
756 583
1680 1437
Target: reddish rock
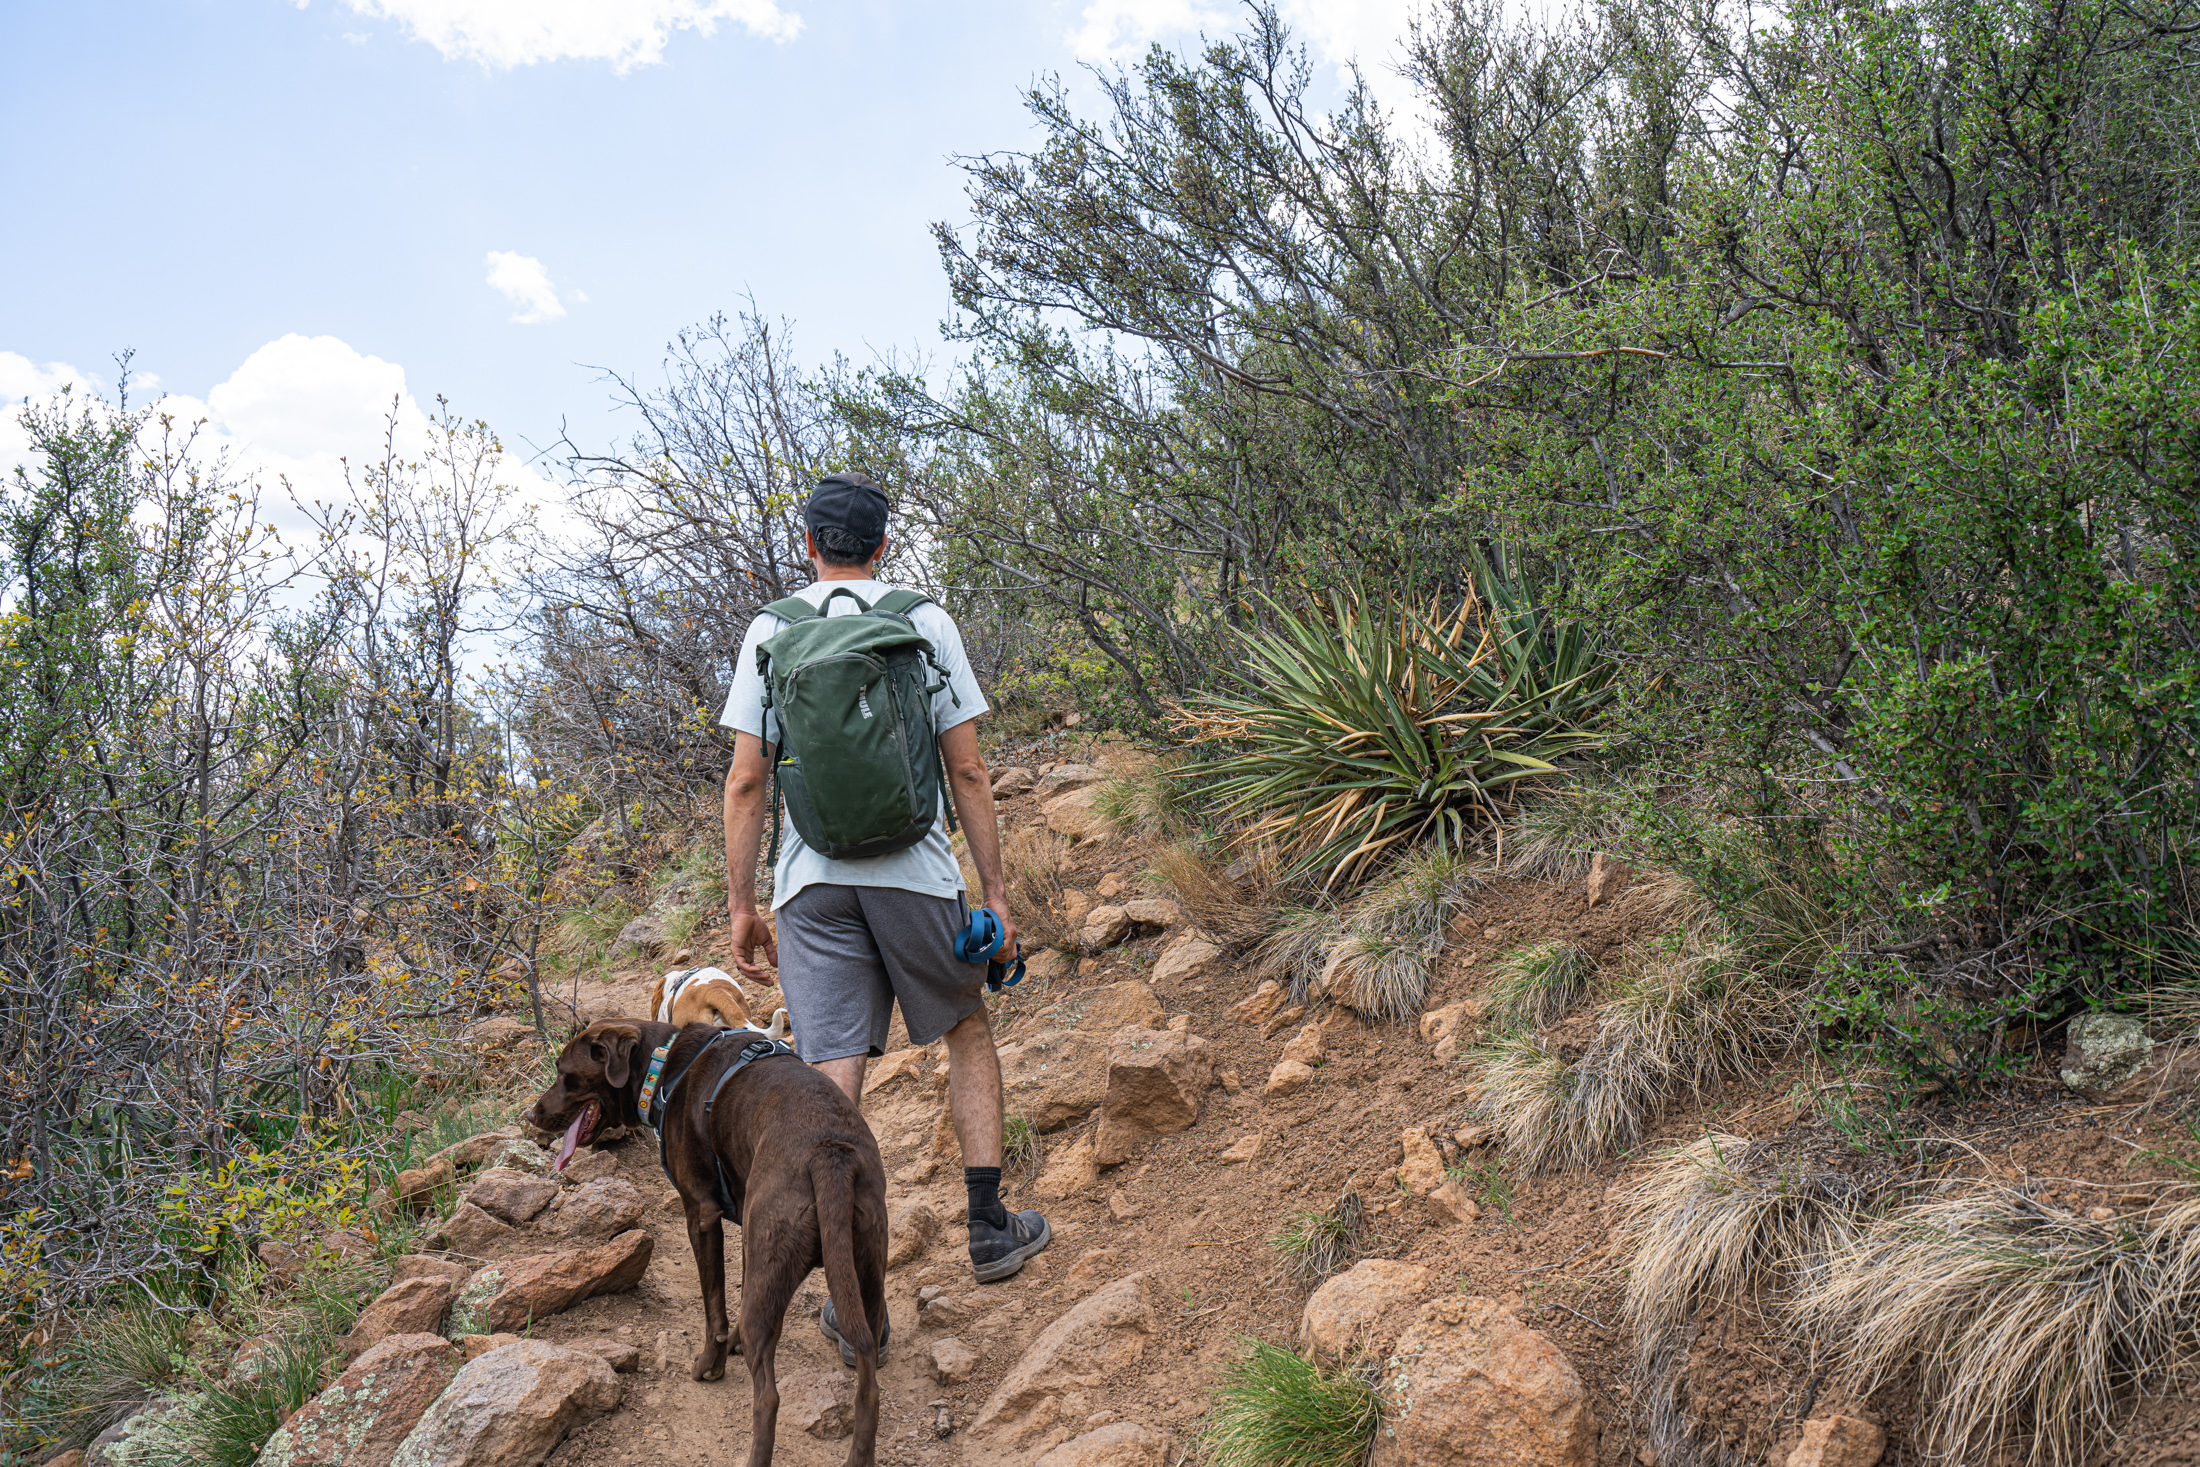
1055 1079
1115 1006
1289 1077
513 1293
512 1196
424 1266
909 1231
1256 1006
1839 1441
1097 1342
1470 1386
1422 1170
510 1407
1156 1080
361 1419
623 1358
1309 1046
600 1209
414 1307
1365 1308
820 1402
471 1231
1189 957
949 1361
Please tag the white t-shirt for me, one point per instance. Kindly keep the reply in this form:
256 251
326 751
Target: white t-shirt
929 865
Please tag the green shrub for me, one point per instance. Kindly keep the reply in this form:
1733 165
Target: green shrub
1366 727
1277 1409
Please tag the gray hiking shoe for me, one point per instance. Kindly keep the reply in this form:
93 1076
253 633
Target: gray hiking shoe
828 1324
999 1253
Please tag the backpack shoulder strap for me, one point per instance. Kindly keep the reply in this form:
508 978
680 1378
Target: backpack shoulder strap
901 603
791 609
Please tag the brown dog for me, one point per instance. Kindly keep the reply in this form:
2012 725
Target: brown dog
777 1148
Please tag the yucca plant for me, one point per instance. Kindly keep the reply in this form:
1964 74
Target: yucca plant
1366 726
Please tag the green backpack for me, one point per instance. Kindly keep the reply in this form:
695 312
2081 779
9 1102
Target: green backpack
859 762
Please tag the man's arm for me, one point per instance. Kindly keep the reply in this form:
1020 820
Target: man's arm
971 787
745 815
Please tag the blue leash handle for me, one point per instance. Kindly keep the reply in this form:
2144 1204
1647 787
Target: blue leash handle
980 942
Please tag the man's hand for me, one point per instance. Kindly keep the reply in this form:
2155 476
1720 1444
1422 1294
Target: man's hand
1009 935
750 932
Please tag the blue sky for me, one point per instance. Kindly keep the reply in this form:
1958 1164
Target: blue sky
291 211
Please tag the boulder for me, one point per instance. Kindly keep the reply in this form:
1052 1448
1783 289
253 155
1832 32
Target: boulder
1256 1006
1014 781
623 1356
1070 1170
1055 1079
909 1232
1289 1077
2101 1051
414 1307
1364 1308
1153 914
1118 1444
1104 927
510 1407
1308 1046
1064 777
820 1402
949 1361
362 1418
600 1209
1422 1170
588 1165
417 1187
1072 815
512 1196
1470 1386
509 1295
470 1230
1115 1006
152 1433
1839 1441
1156 1080
1185 959
889 1069
423 1266
1095 1343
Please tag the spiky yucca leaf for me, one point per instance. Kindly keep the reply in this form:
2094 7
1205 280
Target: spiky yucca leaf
1369 726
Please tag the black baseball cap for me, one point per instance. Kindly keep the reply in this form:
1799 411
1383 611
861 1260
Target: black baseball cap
849 501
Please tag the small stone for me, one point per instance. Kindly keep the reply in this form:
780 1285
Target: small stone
414 1307
470 1230
1070 1170
417 1188
1364 1308
1012 782
950 1361
1307 1046
1451 1202
589 1165
623 1356
1229 1081
1064 777
1153 913
909 1231
1181 1021
1186 958
1423 1168
472 1346
1112 1444
1121 1209
1245 1148
1110 887
2101 1051
1467 1138
1287 1078
1839 1441
1104 927
1282 1019
902 1064
820 1402
1097 1342
1606 877
1256 1006
511 1196
600 1209
1156 1081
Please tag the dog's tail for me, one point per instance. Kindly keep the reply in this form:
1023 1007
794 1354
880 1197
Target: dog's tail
832 1186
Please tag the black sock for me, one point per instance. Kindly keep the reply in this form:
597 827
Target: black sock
984 1184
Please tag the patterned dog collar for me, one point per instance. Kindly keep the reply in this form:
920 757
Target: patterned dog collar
649 1081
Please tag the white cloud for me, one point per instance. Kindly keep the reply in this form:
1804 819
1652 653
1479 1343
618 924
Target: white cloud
523 281
501 34
302 396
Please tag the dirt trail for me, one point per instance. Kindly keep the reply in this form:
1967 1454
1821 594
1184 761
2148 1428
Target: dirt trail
1200 1227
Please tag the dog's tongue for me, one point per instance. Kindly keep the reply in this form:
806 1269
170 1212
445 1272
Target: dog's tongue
571 1143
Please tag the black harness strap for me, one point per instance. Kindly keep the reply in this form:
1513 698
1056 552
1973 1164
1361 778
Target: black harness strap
763 1046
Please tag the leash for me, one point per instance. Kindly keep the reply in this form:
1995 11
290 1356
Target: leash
655 1102
980 942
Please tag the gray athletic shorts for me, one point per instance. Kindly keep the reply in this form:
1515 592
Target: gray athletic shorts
846 953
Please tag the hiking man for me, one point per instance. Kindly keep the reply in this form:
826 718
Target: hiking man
861 931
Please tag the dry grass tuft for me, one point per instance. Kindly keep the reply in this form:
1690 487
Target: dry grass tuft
1297 949
2031 1328
1382 962
1556 835
1142 797
1673 1023
1315 1245
1035 861
1717 1222
1237 913
1536 985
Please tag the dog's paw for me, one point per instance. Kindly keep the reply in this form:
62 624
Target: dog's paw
710 1365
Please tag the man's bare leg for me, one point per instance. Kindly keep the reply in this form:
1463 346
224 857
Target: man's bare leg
847 1073
974 1089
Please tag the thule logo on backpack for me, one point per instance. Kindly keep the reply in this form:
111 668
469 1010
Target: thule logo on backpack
863 702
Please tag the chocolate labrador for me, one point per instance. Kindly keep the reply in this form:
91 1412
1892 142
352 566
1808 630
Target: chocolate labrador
750 1135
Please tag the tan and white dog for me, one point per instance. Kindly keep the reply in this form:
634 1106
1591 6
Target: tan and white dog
708 996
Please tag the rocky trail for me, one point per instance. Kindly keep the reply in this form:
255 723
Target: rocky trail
1184 1112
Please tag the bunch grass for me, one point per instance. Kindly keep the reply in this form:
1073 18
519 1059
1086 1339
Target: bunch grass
1536 985
2031 1329
1035 862
1275 1408
1383 961
1239 913
1315 1244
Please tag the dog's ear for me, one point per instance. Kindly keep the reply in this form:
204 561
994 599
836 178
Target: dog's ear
613 1048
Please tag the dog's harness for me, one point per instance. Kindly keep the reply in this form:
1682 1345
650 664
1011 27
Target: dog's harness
655 1100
